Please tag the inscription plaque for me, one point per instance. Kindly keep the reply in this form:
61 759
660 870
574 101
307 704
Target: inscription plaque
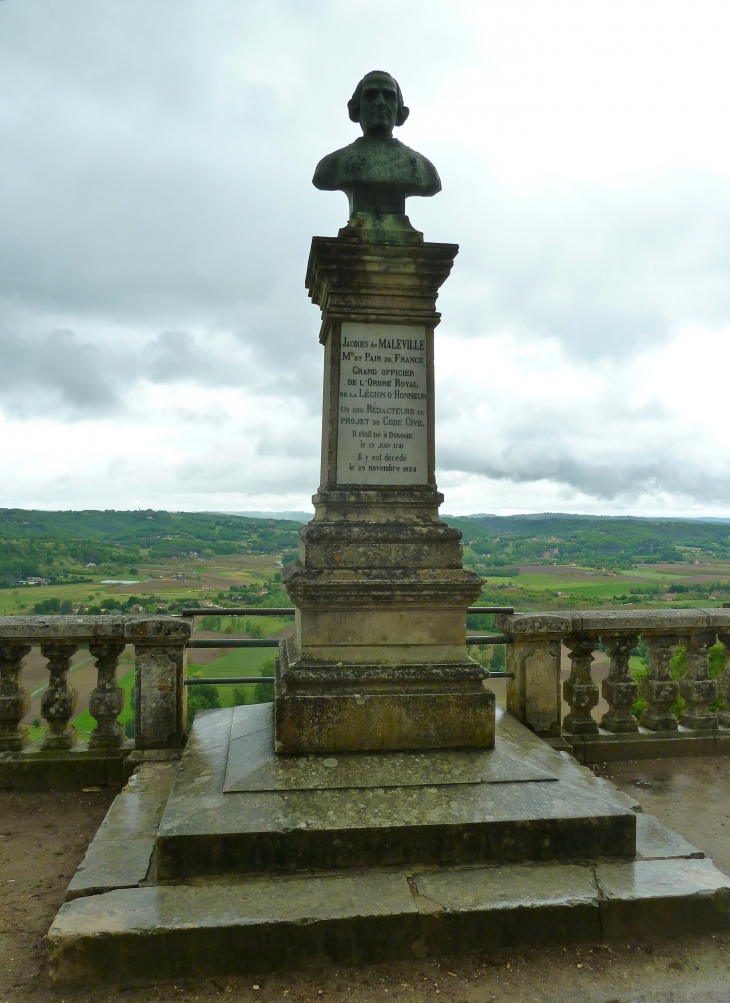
382 424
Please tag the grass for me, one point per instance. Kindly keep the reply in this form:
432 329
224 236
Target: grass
85 723
237 662
238 569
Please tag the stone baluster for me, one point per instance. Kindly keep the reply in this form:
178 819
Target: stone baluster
580 692
619 688
14 700
658 688
107 700
59 700
723 684
695 686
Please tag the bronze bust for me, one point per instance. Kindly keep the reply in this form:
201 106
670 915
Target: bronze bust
377 172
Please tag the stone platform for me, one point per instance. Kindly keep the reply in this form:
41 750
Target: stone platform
235 861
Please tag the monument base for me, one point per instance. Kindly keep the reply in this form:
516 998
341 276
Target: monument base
336 707
262 862
378 661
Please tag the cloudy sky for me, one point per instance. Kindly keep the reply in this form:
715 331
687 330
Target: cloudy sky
157 347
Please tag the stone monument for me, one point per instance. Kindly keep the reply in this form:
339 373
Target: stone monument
378 661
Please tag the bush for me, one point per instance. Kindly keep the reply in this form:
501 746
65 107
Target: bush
240 696
211 623
498 661
205 697
129 728
47 606
263 693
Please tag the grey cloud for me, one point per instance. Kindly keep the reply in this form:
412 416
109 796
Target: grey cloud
596 451
56 372
607 274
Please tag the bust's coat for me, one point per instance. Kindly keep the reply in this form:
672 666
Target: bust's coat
377 174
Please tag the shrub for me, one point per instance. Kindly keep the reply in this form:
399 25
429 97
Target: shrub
211 623
498 661
205 697
263 693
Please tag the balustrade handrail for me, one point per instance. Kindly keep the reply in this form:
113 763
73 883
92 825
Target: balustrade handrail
159 704
533 643
291 610
160 643
534 658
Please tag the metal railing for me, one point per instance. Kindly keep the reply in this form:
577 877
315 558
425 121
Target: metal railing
267 642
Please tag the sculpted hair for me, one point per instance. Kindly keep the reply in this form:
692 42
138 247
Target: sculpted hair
353 105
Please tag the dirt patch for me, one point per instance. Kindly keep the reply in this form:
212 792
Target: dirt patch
45 836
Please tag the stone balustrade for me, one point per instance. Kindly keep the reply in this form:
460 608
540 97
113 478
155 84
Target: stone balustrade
533 656
159 643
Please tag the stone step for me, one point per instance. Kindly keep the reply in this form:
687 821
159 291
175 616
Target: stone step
229 926
235 808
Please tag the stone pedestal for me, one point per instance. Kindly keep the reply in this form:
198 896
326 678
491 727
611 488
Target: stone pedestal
378 660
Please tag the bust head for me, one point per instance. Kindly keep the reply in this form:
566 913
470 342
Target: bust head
377 104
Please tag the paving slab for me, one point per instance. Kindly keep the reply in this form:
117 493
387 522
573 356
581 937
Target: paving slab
110 864
208 830
229 926
121 852
655 841
510 905
232 926
662 896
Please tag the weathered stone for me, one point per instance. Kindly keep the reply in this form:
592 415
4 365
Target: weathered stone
619 688
59 700
723 684
14 699
607 622
108 865
533 692
508 906
120 853
580 692
658 688
252 765
107 700
205 830
160 660
655 841
34 769
378 661
665 896
228 927
647 745
132 815
234 926
695 686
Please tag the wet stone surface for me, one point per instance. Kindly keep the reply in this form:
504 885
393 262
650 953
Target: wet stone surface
253 766
205 830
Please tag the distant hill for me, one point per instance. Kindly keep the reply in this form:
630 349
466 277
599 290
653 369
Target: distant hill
57 545
611 542
300 517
